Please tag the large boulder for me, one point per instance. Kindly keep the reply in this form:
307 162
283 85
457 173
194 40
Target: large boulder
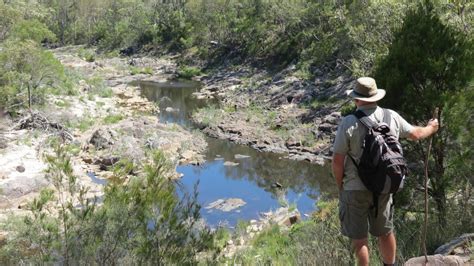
438 260
455 252
21 172
103 138
453 246
285 217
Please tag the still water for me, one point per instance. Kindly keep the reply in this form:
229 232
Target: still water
265 181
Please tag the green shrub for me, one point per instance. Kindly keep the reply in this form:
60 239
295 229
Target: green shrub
10 16
208 116
187 72
97 86
428 65
314 241
221 236
32 30
347 108
83 124
134 70
139 70
112 54
147 70
26 70
112 119
86 54
140 220
62 103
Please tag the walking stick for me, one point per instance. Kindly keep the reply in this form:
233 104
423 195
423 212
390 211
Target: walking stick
435 115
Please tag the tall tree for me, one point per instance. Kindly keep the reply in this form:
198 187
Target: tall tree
428 63
26 66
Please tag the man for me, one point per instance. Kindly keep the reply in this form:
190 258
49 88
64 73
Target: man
355 201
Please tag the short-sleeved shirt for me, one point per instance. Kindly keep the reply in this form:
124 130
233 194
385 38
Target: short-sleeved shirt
350 135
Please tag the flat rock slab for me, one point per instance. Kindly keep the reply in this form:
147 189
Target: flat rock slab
21 171
458 243
228 163
226 205
439 260
241 156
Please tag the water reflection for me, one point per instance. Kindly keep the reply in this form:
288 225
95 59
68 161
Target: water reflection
254 179
176 95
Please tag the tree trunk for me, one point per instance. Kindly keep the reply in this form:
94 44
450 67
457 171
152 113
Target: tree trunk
29 97
439 197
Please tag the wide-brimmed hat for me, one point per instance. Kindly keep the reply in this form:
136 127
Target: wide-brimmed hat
366 90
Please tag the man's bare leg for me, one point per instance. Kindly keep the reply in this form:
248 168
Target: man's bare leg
388 248
361 249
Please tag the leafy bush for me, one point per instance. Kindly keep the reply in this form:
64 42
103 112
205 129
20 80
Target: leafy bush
112 119
26 70
208 116
32 30
138 70
269 247
187 72
85 123
97 86
141 220
87 54
347 108
428 63
315 241
8 17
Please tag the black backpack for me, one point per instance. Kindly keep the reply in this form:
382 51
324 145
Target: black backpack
382 167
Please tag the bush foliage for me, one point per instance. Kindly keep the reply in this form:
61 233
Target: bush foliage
430 64
141 220
26 71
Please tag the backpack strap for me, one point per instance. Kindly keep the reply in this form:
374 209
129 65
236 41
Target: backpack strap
387 117
362 117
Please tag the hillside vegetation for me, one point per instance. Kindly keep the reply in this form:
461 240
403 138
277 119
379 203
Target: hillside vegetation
421 52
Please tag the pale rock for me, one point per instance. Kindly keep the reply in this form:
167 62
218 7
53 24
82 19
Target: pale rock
241 156
171 110
226 205
438 260
187 155
20 168
229 163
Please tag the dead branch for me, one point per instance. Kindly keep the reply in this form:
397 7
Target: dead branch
35 120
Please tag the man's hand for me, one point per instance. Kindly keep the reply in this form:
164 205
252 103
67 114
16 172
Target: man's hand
433 123
424 132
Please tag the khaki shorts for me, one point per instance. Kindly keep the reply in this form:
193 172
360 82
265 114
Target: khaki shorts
358 217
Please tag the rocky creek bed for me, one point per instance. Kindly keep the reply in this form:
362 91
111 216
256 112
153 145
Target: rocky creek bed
101 128
102 131
100 144
122 124
276 112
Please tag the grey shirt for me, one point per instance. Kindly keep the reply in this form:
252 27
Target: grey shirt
350 135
